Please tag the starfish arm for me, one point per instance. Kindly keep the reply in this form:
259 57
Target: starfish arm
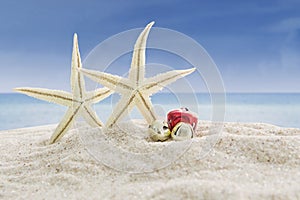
124 105
156 83
137 69
145 106
77 79
98 95
113 82
65 124
53 96
90 116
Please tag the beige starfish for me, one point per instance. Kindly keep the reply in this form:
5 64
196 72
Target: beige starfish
136 89
79 101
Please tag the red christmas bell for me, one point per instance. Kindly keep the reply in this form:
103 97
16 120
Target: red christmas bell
182 123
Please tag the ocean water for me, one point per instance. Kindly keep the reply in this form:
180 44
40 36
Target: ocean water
18 111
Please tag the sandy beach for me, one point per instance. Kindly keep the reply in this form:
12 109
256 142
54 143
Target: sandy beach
248 161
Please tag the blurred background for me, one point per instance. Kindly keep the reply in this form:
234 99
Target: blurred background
255 44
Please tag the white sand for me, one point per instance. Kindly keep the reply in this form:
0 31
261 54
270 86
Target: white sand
249 161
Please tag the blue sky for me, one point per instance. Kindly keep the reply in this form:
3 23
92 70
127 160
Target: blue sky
255 44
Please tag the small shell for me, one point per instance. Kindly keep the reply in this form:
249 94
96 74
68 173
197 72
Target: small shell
159 131
182 131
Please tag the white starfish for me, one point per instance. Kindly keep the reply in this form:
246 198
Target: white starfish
136 89
79 101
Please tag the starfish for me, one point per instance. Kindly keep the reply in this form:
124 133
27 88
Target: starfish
136 89
79 101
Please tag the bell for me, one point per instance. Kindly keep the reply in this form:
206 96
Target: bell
159 130
182 115
182 131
